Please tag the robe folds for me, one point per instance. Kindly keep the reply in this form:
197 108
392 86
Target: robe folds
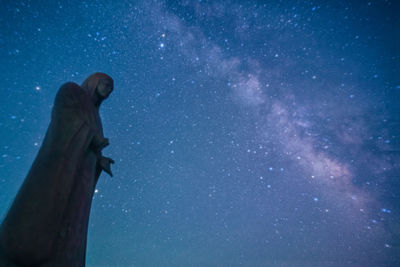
47 223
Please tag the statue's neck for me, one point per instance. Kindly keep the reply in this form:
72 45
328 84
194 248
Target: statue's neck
97 101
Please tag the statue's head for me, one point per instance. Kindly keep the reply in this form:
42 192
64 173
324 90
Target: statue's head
99 85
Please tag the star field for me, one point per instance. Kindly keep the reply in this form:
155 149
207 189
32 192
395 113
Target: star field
244 133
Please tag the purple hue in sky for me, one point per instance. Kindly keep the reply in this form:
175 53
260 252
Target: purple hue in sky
244 133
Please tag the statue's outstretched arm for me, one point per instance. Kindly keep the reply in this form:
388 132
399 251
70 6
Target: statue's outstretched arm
104 163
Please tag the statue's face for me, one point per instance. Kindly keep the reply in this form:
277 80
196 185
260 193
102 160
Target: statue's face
104 88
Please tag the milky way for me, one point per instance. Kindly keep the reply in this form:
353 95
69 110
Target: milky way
244 133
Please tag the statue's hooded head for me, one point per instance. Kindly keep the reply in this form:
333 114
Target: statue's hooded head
99 86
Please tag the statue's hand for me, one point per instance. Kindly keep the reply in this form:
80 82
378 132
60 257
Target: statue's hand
99 142
105 164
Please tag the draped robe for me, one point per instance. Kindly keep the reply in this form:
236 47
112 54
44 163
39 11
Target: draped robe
48 220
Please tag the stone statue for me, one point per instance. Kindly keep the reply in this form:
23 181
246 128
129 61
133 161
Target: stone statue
48 220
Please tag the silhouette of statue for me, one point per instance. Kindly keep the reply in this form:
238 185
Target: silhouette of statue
48 220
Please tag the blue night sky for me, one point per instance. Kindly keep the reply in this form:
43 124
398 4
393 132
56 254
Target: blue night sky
245 133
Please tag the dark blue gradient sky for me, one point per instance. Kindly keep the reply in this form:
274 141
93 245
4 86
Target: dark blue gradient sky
244 133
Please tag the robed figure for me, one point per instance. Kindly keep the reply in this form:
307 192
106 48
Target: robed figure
48 220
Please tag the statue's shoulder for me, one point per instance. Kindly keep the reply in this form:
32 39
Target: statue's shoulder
71 87
70 91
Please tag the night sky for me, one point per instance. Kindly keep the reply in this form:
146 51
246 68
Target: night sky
244 133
